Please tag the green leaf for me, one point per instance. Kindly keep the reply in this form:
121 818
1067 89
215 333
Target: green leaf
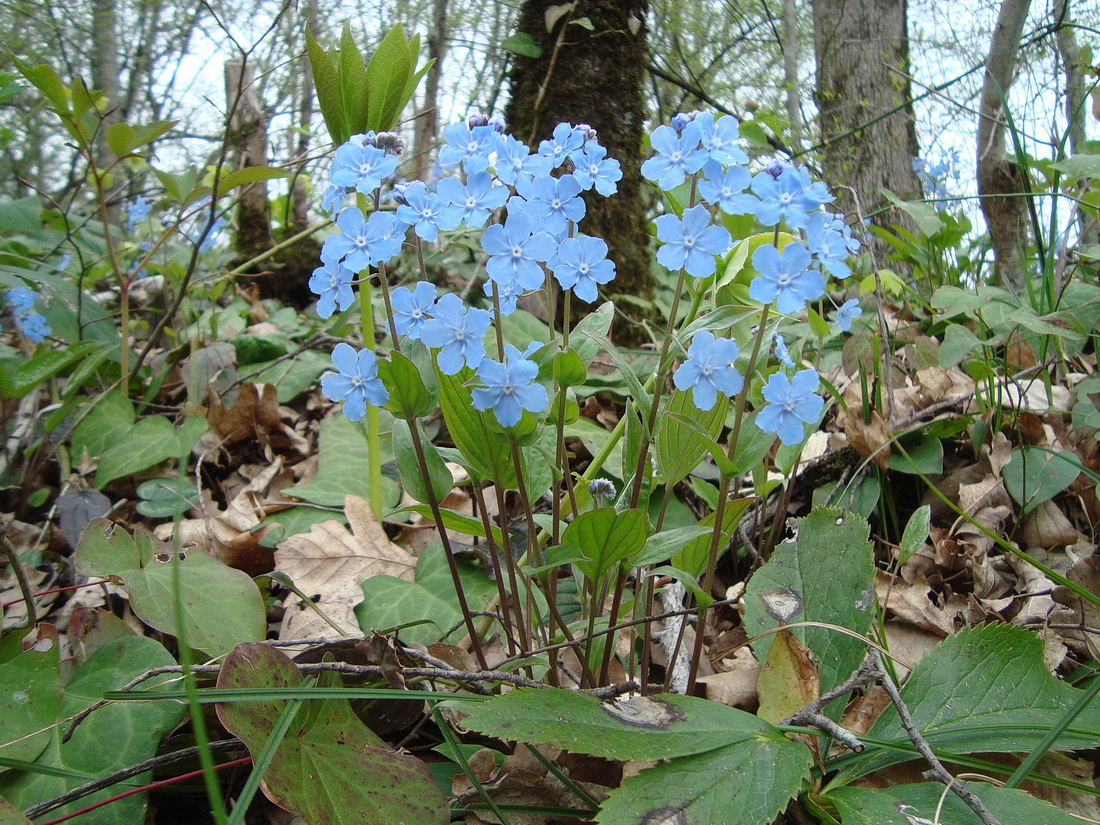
959 343
114 737
753 445
818 325
926 454
488 458
679 449
166 497
412 478
983 689
106 424
640 396
569 369
222 606
47 81
589 329
120 138
907 804
924 215
387 75
329 768
916 531
354 94
832 540
584 23
606 537
1034 475
326 83
31 686
149 442
689 581
147 133
754 133
86 369
668 543
458 522
390 602
1080 166
523 44
696 553
409 398
342 467
249 174
46 363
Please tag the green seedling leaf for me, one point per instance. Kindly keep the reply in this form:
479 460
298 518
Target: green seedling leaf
916 532
387 77
30 687
390 602
166 497
679 449
222 606
409 398
925 456
330 768
342 467
112 738
569 370
523 44
412 477
606 537
832 540
1034 475
984 689
925 801
149 442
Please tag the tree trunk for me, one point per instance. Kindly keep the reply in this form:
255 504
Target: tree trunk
595 77
427 124
863 94
105 79
247 139
999 179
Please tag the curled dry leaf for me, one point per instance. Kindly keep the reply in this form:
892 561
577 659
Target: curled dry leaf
1047 526
329 563
911 602
1076 611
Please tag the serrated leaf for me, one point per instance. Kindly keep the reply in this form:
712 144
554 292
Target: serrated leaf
606 537
412 476
329 768
832 540
909 804
1034 475
387 75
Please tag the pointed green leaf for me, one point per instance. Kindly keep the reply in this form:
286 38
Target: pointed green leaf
926 801
1034 475
916 532
589 329
679 449
354 87
412 477
387 76
120 139
667 543
409 398
696 553
249 174
489 459
606 537
523 44
326 82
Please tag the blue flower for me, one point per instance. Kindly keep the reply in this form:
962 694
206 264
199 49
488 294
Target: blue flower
356 381
138 211
472 202
424 212
565 141
33 326
830 242
678 156
457 331
207 241
412 308
790 403
332 282
783 197
593 169
507 293
515 248
721 138
509 387
846 313
516 162
361 166
332 200
20 298
552 202
469 146
363 241
785 277
781 351
727 189
691 243
581 265
709 370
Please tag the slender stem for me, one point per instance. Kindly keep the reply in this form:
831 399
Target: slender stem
494 556
21 579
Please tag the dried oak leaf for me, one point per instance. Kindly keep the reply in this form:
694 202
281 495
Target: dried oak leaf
329 564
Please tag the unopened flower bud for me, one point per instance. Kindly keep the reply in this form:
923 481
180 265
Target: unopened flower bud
398 193
586 131
389 142
497 122
774 168
601 489
475 119
681 120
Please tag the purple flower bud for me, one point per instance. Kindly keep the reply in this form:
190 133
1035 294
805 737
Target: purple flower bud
398 194
475 119
681 121
774 168
587 131
389 142
497 122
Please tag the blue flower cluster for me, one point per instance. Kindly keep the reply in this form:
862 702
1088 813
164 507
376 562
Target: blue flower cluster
32 325
935 175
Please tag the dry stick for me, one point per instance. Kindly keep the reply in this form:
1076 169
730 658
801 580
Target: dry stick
21 578
938 772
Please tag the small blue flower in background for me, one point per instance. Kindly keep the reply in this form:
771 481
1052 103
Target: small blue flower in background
581 265
785 277
457 332
332 200
515 248
138 211
781 351
691 243
474 201
33 326
412 308
509 387
593 169
721 138
20 298
846 313
678 156
361 167
507 293
727 189
830 242
516 162
783 198
469 146
709 370
790 403
552 202
332 283
206 243
424 212
815 191
565 141
356 381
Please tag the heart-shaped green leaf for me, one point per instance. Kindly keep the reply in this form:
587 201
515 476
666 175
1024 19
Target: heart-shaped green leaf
1034 475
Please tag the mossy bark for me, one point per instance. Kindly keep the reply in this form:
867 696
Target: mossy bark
595 77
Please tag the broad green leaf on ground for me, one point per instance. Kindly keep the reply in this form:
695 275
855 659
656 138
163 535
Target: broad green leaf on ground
148 442
1033 475
389 601
826 574
112 738
984 689
111 417
636 728
342 467
746 783
330 769
30 687
289 377
222 606
906 804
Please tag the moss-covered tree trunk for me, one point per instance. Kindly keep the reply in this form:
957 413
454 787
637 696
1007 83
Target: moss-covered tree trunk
863 94
594 75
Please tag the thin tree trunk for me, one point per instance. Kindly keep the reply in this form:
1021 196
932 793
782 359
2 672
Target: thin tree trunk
791 58
247 138
427 124
299 199
105 78
999 179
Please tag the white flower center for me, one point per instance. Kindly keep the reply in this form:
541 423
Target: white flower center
689 241
471 202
